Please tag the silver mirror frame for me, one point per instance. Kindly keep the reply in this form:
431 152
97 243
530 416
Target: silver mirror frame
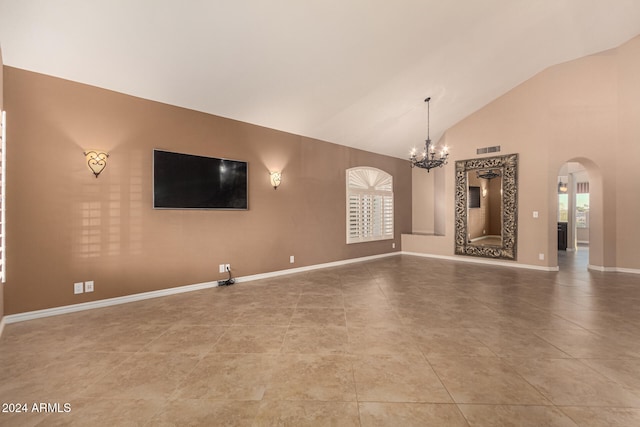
508 164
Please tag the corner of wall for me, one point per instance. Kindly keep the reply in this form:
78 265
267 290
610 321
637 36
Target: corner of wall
1 108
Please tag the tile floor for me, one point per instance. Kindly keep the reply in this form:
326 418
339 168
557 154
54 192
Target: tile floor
401 341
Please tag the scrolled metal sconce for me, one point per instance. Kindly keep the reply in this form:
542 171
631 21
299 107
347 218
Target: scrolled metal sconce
97 161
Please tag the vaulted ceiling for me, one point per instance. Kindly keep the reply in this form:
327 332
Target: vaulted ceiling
352 72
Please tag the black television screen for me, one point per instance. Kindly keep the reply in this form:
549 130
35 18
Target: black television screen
185 181
474 197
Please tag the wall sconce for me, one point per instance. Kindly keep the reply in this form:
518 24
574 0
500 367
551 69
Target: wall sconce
276 179
97 161
484 192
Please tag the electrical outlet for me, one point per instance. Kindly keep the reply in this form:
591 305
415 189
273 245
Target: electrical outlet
292 259
78 288
541 257
88 286
535 214
227 267
393 246
221 268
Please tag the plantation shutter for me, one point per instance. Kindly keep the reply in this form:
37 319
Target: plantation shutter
582 187
369 205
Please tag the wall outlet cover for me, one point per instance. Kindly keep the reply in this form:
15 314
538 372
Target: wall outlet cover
78 288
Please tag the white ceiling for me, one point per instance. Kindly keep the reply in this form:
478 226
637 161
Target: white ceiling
352 72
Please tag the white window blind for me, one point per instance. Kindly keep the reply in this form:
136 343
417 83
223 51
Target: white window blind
369 205
582 188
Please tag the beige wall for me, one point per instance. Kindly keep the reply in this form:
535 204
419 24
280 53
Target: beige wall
494 189
1 108
584 110
627 173
67 226
423 201
582 235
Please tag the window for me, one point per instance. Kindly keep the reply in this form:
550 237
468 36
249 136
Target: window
563 207
369 205
582 205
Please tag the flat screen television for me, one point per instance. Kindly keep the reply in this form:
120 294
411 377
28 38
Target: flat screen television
185 181
474 197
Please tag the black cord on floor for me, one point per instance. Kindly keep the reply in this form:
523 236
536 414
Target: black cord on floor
230 281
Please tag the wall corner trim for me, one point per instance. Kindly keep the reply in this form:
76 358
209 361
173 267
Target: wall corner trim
1 326
37 314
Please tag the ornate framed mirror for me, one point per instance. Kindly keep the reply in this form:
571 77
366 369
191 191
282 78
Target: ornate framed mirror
486 223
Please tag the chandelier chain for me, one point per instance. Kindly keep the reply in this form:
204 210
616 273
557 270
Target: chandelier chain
428 159
428 116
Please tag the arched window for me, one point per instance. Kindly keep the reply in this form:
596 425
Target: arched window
369 205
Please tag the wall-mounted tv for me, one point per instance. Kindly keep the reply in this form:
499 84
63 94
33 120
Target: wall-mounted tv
474 197
185 181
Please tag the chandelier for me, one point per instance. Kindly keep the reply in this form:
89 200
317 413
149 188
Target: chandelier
428 158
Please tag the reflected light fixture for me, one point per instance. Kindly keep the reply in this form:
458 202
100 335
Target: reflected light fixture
488 174
96 160
428 159
276 179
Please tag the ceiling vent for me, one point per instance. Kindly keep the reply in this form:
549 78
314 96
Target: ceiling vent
486 150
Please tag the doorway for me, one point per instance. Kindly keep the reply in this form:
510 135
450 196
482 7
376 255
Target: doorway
573 215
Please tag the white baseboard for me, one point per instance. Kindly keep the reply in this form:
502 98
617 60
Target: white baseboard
30 315
627 270
483 261
314 267
613 269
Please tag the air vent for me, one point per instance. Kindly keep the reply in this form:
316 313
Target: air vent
486 150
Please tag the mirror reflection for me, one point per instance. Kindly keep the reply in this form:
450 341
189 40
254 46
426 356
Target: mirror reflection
484 216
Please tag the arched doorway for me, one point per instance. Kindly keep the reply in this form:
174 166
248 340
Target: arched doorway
579 207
